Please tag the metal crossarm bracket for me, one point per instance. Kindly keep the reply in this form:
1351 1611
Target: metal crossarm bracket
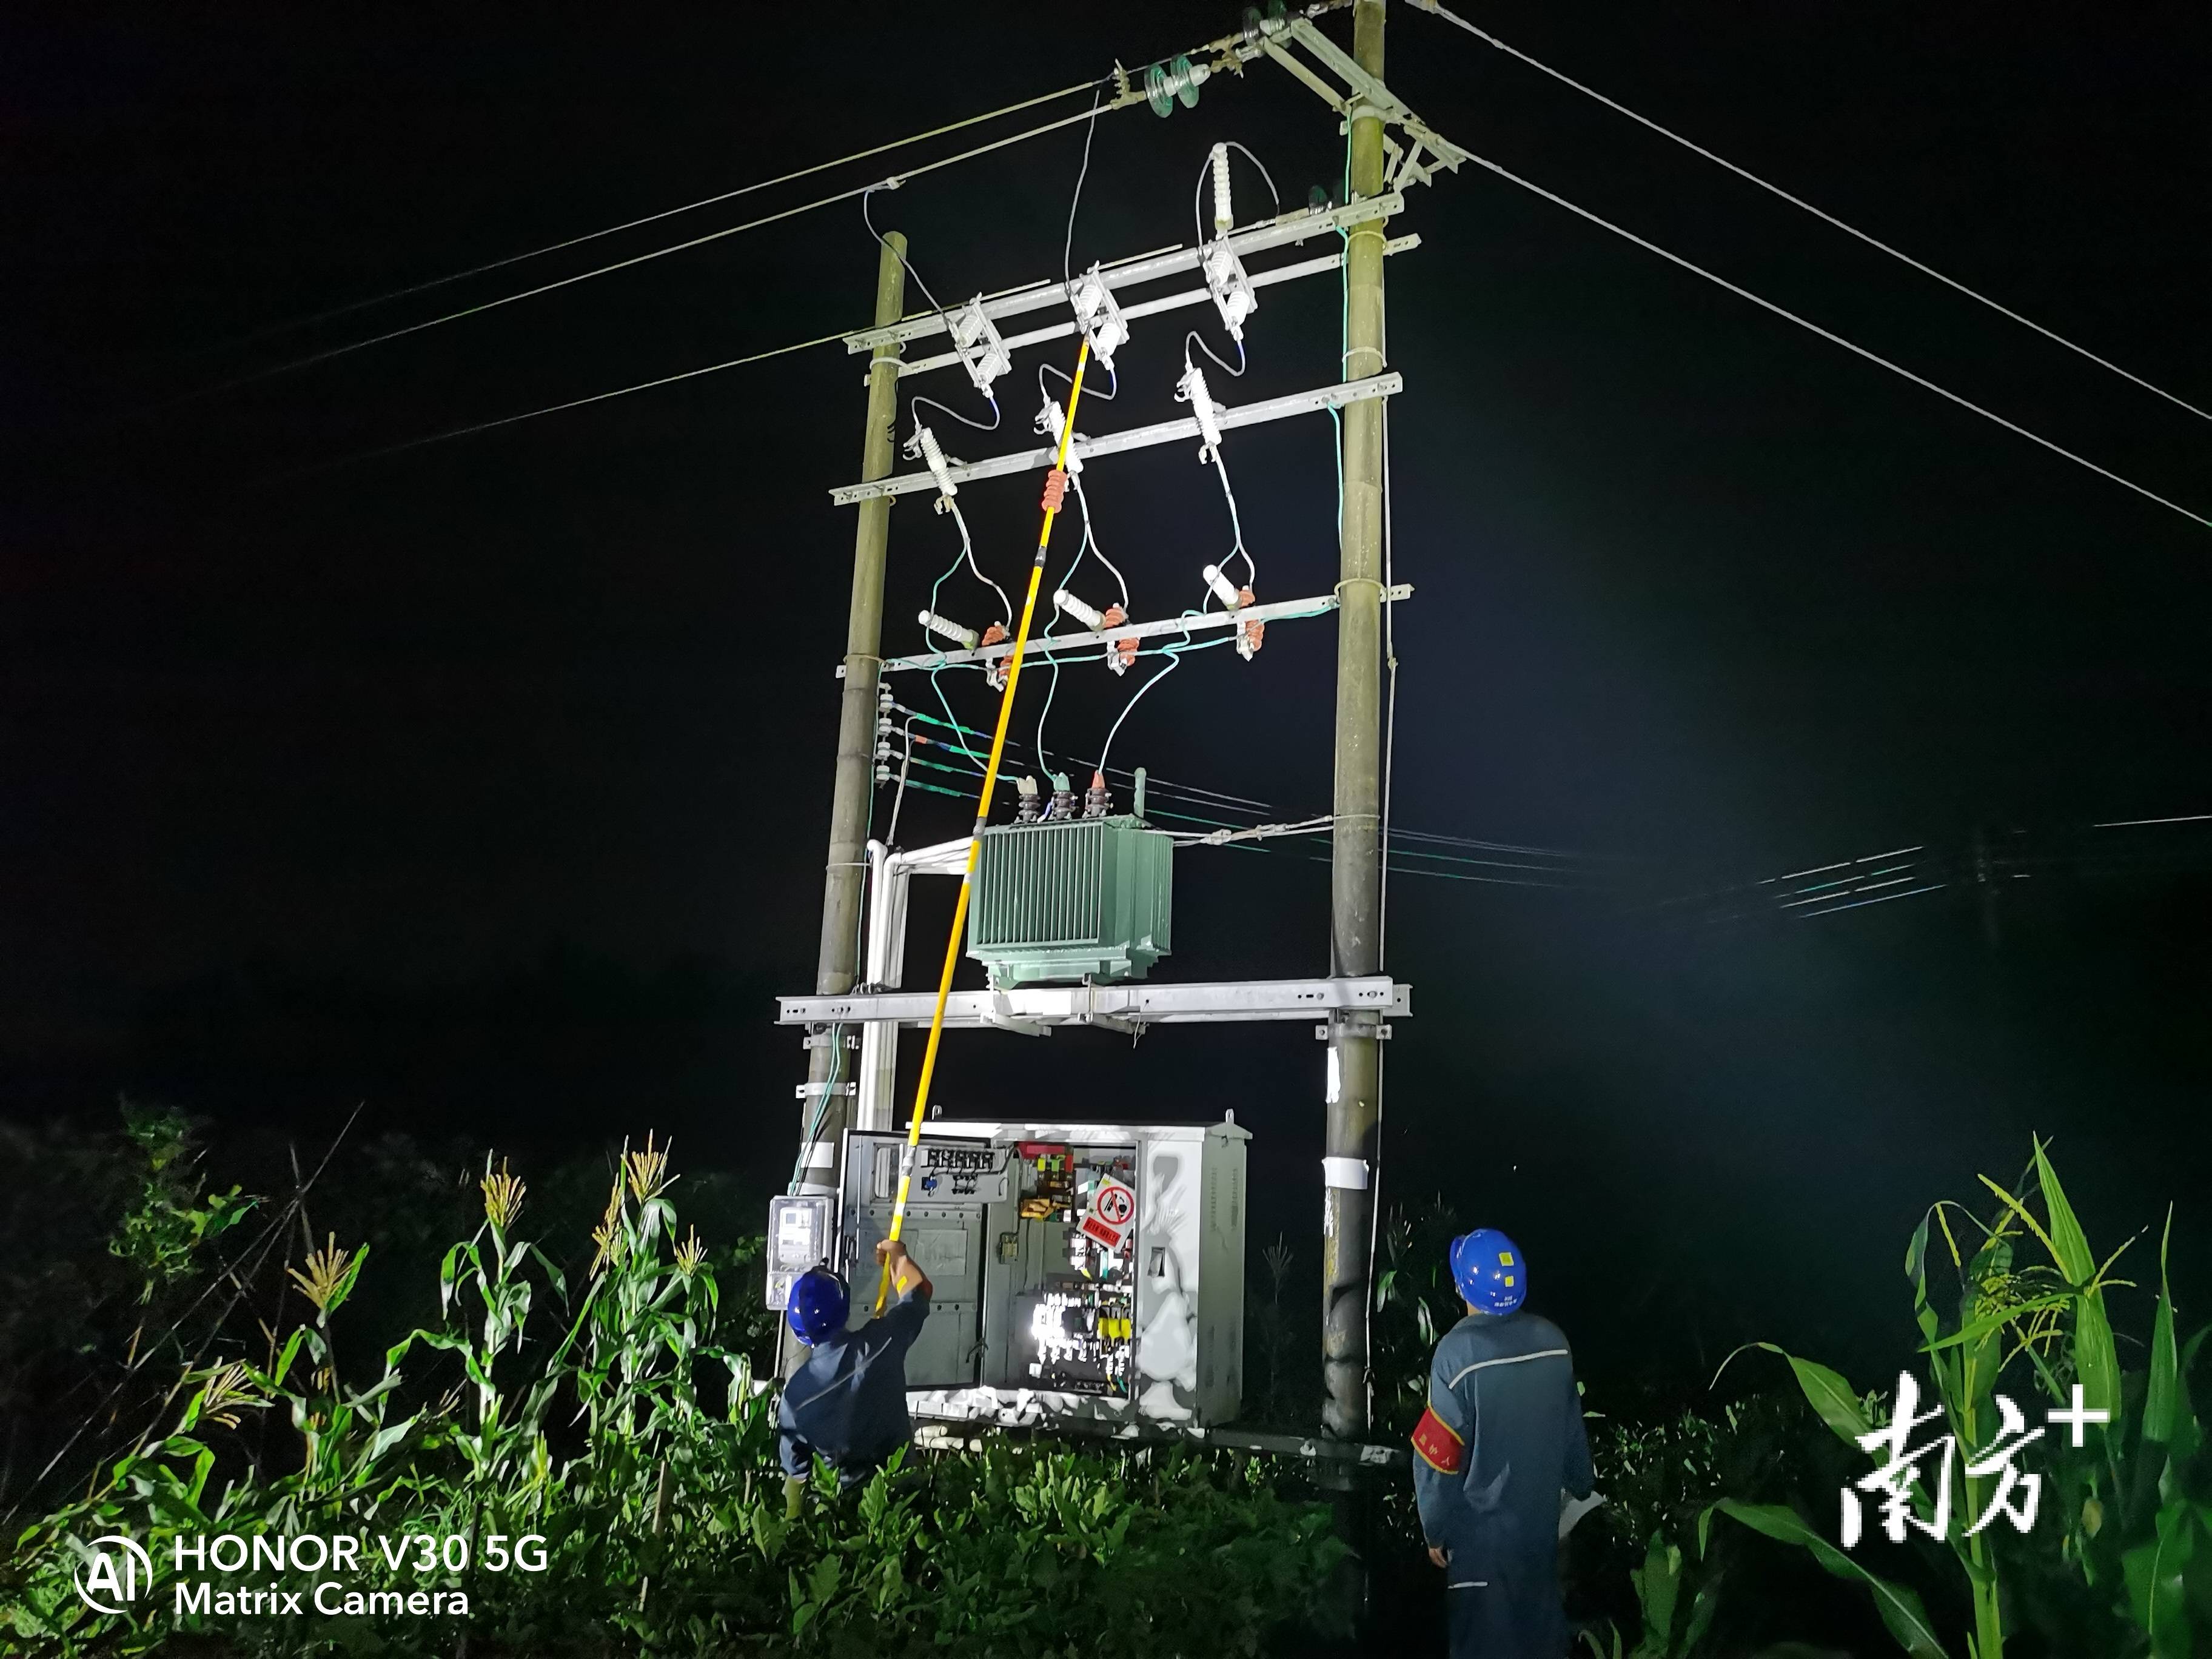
1131 1003
1413 163
1143 437
1291 228
1194 297
1062 644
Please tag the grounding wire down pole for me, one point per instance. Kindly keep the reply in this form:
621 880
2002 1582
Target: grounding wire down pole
825 1111
1349 1147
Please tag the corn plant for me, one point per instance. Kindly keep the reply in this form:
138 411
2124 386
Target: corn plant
2134 1533
1416 1303
580 1418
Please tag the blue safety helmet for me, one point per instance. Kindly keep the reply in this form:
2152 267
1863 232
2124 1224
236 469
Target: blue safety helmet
817 1305
1488 1269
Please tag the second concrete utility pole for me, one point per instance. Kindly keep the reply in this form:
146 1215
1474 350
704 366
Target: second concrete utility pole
1349 1146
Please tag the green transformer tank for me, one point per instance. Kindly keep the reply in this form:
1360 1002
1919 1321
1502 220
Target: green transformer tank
1072 899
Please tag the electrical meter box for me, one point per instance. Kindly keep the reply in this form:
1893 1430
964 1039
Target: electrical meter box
1072 899
800 1235
1081 1270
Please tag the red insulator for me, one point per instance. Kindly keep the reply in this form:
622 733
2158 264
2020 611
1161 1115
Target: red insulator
1055 490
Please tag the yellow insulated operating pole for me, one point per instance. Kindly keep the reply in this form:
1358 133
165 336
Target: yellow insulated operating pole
1055 485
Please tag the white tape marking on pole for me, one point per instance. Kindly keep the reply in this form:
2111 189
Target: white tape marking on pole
1345 1173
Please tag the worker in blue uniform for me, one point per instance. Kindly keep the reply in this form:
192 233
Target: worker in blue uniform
1497 1452
847 1402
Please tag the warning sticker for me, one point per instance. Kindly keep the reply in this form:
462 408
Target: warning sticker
1113 1209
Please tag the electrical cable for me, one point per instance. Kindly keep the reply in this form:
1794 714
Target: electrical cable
269 329
1225 837
891 835
554 409
1106 397
916 402
1191 339
1175 655
1236 528
1067 245
1836 340
891 183
1156 784
1799 202
1174 661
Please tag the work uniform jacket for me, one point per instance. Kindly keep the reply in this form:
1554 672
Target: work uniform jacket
847 1402
1501 1440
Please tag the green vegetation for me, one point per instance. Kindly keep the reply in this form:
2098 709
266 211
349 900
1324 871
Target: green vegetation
580 1405
575 1427
2120 1561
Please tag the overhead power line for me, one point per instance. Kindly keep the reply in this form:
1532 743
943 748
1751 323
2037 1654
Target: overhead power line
891 182
1799 202
1835 338
555 409
651 218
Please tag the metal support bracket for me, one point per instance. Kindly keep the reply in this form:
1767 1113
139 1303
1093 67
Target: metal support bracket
1143 437
1127 1005
1188 297
1418 162
1064 644
1291 228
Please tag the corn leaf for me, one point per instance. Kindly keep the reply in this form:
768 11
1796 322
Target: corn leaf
2158 1596
1976 1329
1900 1609
1916 1269
2096 1359
1657 1583
2162 1396
1825 1390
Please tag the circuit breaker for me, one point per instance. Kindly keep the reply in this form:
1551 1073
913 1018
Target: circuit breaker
1091 1270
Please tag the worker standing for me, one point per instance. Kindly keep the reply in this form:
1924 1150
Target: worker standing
847 1402
1496 1453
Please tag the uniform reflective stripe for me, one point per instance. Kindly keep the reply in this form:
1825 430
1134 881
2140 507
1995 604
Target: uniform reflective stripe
1470 1583
1509 1359
1439 1447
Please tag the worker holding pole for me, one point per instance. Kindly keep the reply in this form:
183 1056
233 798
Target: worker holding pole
847 1403
1501 1465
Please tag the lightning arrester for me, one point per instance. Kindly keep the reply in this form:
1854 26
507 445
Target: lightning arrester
934 458
946 628
1191 389
1093 620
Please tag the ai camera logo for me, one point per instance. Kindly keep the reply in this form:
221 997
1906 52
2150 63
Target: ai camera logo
114 1573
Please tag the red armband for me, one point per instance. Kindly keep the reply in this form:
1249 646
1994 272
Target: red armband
1440 1448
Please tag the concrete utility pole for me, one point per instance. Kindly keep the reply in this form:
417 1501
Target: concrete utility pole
856 748
1355 881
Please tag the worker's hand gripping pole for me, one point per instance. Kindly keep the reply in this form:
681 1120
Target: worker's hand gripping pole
1055 485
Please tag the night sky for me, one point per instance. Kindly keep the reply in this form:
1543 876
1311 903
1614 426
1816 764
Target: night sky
488 782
